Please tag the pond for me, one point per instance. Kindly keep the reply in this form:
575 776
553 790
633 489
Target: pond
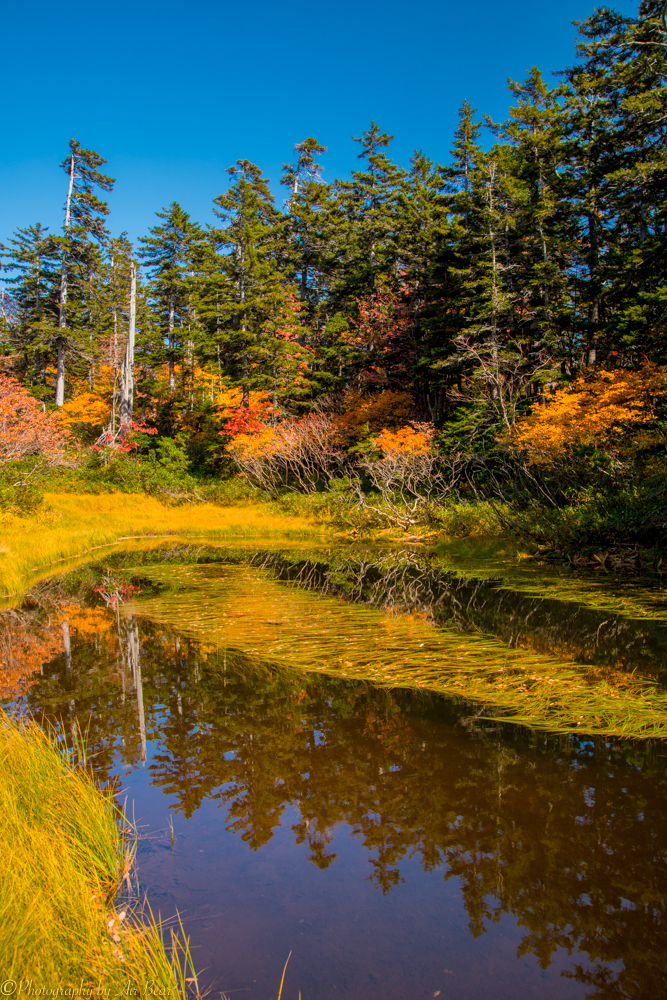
317 750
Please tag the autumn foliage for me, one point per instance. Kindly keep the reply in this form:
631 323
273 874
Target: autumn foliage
297 455
86 408
25 428
373 413
596 409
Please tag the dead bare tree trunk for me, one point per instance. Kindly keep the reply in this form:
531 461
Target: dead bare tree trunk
127 379
62 301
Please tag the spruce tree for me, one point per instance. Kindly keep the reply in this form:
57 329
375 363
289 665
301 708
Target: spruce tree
305 229
251 240
363 219
32 258
83 231
169 253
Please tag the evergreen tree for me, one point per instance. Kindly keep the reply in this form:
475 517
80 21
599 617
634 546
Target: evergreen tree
256 285
84 231
363 219
169 253
305 229
32 258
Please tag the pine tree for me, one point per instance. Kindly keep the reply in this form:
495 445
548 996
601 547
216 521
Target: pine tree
32 257
83 230
169 254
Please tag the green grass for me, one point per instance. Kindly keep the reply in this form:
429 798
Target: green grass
65 852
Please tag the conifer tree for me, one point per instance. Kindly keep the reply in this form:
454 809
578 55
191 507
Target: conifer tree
250 239
305 227
542 234
363 218
83 229
169 253
32 258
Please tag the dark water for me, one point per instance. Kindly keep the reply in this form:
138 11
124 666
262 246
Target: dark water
394 842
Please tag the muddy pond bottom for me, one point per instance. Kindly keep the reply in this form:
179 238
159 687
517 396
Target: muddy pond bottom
396 844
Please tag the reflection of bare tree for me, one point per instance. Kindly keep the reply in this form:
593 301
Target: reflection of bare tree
131 650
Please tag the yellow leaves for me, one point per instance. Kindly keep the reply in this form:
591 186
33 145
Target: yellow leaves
228 402
86 408
405 441
249 446
592 410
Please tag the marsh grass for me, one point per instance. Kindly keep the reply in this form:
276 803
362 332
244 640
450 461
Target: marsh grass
65 852
243 608
74 525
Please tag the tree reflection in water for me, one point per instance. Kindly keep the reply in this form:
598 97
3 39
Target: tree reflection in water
566 834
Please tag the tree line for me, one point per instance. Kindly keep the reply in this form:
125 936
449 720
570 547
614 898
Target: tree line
546 246
459 294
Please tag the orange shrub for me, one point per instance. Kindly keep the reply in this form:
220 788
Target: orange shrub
595 409
25 428
405 441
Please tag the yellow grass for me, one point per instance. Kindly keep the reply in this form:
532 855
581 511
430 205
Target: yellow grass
72 525
62 860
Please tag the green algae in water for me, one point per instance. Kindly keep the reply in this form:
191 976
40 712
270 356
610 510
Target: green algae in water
244 608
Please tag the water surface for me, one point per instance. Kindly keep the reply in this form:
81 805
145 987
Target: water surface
396 841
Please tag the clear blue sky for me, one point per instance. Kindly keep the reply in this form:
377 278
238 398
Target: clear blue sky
172 93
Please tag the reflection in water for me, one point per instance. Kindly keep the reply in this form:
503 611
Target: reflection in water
412 583
566 835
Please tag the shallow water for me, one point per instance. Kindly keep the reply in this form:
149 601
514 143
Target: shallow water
396 842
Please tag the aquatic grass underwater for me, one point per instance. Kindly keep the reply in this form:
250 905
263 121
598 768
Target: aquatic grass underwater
72 525
642 596
244 608
64 853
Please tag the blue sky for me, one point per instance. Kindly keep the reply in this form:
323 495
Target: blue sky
172 93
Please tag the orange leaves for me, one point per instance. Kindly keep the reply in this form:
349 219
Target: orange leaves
88 621
594 410
405 441
85 408
25 428
24 647
252 445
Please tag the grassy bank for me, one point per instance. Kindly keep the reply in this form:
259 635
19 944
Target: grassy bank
62 861
74 524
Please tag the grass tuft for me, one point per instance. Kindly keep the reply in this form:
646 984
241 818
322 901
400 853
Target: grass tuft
64 853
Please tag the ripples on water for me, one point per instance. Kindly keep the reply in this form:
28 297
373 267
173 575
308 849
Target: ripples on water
395 841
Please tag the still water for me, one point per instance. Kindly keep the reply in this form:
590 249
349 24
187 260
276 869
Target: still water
399 843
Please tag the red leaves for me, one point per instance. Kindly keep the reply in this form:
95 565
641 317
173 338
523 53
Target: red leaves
25 427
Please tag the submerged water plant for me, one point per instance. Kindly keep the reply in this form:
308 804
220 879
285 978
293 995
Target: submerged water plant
245 609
